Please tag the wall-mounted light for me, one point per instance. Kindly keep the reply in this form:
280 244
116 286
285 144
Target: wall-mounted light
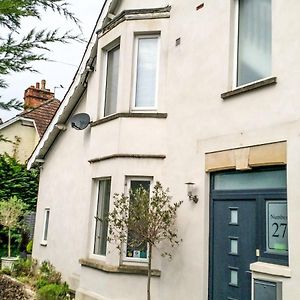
190 192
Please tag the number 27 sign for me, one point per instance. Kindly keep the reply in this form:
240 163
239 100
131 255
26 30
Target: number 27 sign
277 227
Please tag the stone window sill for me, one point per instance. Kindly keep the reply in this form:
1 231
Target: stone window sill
130 115
249 87
271 269
122 269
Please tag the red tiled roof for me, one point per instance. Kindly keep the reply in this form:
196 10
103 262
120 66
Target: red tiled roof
42 115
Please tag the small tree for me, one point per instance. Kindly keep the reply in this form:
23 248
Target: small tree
10 213
142 220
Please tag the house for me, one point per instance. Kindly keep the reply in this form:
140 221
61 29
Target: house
23 132
205 93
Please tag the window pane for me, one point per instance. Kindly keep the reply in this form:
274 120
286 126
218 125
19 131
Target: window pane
254 41
276 227
250 180
47 215
140 251
233 246
233 216
112 76
146 72
233 277
102 211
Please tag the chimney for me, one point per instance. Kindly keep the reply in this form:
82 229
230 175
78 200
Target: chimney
36 95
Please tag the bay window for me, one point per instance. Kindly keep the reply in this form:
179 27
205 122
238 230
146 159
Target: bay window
101 224
146 71
134 252
112 78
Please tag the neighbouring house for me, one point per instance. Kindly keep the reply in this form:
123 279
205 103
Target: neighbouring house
22 133
198 92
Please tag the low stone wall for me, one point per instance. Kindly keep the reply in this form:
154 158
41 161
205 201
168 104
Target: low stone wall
10 289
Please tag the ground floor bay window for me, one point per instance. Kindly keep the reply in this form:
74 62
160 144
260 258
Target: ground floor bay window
136 252
102 209
249 223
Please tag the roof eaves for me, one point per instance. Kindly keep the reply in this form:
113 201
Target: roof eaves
70 100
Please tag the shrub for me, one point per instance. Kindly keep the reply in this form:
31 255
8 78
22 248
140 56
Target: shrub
53 292
24 267
29 247
6 271
41 283
48 273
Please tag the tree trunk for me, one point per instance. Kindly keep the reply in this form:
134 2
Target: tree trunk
9 238
149 273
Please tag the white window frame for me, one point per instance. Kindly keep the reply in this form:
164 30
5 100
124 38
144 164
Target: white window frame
44 241
127 189
94 222
235 44
134 81
236 51
105 51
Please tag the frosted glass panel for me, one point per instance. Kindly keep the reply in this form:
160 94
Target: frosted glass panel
250 180
112 76
233 277
233 216
254 41
146 72
233 246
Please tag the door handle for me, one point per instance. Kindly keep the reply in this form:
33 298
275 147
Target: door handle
248 272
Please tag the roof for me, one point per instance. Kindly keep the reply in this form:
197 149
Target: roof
74 93
42 115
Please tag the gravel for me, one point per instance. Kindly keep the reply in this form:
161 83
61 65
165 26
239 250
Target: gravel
10 289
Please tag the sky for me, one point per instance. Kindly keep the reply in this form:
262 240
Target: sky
65 57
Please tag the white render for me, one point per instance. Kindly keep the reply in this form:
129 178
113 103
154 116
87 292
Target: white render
192 77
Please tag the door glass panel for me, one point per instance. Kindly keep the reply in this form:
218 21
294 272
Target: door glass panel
233 246
233 216
233 277
250 180
276 227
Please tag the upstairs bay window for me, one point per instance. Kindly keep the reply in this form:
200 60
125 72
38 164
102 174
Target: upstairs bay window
112 78
254 44
146 72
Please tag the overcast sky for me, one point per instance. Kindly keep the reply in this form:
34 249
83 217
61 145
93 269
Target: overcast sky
66 57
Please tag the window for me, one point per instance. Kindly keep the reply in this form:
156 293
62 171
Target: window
140 252
46 226
254 40
101 224
112 77
146 72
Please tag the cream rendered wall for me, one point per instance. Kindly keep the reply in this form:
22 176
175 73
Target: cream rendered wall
192 77
65 189
24 138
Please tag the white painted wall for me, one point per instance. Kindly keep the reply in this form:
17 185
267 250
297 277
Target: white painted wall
192 78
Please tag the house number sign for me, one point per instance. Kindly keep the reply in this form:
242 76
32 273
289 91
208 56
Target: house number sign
277 227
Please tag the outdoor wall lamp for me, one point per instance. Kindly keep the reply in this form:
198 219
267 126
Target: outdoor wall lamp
190 192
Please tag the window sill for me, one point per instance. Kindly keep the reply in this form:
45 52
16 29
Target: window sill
130 115
271 269
249 87
122 269
43 244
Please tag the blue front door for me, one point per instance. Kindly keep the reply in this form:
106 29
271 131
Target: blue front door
248 222
233 248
